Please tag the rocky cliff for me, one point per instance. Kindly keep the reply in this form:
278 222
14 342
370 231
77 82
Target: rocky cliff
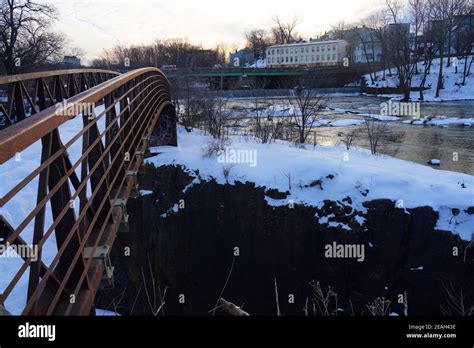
186 240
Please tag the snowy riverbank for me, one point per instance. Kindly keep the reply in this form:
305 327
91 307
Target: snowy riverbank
316 174
453 88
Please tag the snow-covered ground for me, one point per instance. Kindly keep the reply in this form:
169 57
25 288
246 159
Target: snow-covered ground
106 313
259 64
453 90
356 173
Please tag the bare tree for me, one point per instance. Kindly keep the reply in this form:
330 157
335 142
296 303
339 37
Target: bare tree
427 50
376 132
216 115
258 40
380 307
25 37
285 32
378 21
456 304
189 102
368 39
348 138
400 46
306 105
463 38
177 52
265 126
339 29
155 297
77 52
442 16
322 302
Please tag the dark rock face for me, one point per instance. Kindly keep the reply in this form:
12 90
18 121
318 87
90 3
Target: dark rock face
191 252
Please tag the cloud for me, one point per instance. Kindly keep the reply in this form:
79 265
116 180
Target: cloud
95 25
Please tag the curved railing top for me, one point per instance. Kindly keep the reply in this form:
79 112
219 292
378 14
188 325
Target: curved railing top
45 74
19 136
22 96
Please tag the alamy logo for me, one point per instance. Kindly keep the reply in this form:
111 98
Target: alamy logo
72 109
400 109
236 156
345 251
37 331
8 250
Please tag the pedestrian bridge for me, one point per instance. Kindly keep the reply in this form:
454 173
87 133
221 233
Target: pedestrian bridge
76 183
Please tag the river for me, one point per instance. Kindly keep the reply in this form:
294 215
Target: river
453 145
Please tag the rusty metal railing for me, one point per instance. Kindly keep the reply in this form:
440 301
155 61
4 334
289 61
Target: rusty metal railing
137 112
24 95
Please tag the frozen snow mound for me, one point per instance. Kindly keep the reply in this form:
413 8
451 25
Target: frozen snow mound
355 173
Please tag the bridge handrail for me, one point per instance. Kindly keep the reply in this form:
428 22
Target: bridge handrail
45 74
27 93
19 136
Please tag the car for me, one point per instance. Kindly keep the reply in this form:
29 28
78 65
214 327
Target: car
169 67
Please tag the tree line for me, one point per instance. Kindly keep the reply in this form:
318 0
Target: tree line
415 33
177 52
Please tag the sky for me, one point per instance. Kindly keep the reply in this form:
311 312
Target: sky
95 25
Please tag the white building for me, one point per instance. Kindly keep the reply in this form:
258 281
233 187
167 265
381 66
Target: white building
365 53
72 60
313 53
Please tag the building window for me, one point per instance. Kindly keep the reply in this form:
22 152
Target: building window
317 49
296 59
322 57
291 59
334 47
317 58
287 51
322 49
329 57
287 59
312 49
333 57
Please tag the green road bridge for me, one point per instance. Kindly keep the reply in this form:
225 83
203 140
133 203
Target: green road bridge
324 76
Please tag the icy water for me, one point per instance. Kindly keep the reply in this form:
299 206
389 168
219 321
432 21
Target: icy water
419 143
453 145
